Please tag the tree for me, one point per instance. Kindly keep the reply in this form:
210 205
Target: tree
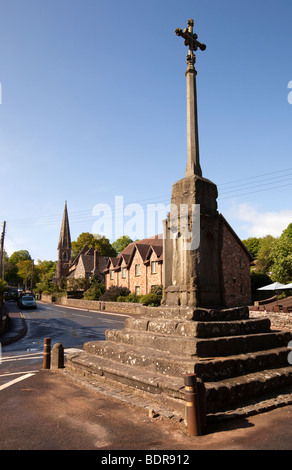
20 255
121 243
44 272
264 259
95 290
282 257
97 242
253 245
25 270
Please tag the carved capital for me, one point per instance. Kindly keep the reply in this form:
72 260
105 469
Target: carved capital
191 60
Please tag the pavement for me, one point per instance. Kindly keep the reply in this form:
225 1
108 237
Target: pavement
17 327
51 410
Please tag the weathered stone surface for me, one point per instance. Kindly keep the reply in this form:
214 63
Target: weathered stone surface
152 354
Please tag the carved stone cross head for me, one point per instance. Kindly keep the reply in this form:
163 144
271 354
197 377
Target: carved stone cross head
191 40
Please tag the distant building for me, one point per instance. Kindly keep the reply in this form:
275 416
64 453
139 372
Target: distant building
138 267
86 264
64 248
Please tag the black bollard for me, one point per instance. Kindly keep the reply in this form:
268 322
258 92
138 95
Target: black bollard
47 353
192 405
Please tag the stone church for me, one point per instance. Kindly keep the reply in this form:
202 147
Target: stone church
87 263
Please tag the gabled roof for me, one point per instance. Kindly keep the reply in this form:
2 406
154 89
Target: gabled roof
142 246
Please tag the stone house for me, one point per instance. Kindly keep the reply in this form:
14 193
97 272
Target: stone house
138 267
87 263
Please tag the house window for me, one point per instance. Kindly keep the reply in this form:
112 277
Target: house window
124 270
65 255
242 289
153 267
111 275
137 290
137 269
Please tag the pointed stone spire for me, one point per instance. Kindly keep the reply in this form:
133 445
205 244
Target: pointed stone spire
65 238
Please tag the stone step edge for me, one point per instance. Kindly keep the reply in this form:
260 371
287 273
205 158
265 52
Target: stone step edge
234 382
101 366
198 346
191 362
264 404
105 388
163 382
198 314
200 329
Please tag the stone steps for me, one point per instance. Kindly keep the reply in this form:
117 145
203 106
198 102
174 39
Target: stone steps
236 358
226 393
220 396
201 347
209 369
221 368
160 388
198 329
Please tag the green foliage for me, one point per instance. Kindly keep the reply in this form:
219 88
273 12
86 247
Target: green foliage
272 255
102 244
282 257
151 299
264 259
121 243
20 255
95 290
113 293
129 298
77 284
253 245
258 280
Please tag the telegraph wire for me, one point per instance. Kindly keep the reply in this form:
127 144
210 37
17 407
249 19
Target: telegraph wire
80 216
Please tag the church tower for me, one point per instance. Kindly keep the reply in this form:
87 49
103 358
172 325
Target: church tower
64 247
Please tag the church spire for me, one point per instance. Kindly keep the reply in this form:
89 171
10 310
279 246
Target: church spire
64 248
65 238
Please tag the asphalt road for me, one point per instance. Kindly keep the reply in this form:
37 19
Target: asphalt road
49 411
70 327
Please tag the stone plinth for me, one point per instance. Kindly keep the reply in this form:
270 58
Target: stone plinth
193 277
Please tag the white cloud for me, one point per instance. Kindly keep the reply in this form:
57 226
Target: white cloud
259 224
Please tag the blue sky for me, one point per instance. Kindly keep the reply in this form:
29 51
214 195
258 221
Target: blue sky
94 106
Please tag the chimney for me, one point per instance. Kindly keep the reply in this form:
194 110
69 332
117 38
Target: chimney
96 262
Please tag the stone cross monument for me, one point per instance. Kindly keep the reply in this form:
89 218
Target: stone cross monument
193 161
192 271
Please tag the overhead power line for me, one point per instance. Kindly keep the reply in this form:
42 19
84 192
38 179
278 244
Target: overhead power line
249 185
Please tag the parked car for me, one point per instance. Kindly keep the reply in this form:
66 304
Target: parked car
27 301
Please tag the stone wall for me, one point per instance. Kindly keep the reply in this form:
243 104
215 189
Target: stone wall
236 271
114 307
279 320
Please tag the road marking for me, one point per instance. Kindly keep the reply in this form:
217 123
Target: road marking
21 358
18 373
19 379
78 315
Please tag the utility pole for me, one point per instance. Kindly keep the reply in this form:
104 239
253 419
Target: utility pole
2 252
